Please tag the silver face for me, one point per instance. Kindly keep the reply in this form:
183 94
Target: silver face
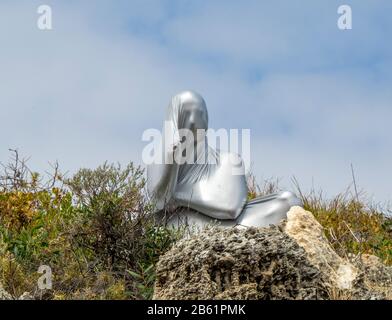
208 190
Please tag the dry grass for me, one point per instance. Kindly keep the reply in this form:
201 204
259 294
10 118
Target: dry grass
353 225
95 230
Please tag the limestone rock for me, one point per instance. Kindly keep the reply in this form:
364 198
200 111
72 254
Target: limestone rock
291 261
4 295
26 296
309 234
375 270
377 277
233 263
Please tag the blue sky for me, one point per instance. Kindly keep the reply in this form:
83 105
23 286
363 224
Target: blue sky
315 98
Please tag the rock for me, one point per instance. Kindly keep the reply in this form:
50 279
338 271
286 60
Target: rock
4 295
367 279
26 296
232 263
375 270
291 261
309 234
377 277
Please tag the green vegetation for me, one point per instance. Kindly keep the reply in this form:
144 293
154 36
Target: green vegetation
95 230
352 226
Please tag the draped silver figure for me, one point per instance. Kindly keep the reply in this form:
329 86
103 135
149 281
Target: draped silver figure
205 190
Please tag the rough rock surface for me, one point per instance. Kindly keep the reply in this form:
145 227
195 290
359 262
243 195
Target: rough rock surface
236 263
4 295
291 261
26 296
375 270
377 277
309 234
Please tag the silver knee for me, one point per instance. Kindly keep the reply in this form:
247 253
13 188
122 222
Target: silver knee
290 198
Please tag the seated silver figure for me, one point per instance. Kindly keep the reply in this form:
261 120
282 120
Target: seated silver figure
203 192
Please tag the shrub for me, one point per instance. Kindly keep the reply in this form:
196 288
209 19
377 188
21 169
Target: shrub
95 230
114 228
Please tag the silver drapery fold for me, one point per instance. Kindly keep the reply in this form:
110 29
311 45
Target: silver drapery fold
194 184
209 188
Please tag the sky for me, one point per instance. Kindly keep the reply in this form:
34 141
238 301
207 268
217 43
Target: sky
316 98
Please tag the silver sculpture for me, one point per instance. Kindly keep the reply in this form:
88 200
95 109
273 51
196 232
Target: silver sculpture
205 190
